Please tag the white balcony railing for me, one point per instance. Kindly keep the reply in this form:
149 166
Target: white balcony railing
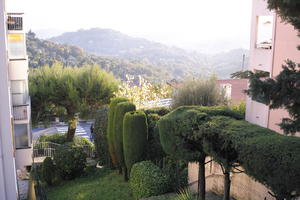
21 112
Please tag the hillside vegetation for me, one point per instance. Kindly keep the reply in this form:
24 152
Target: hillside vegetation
122 54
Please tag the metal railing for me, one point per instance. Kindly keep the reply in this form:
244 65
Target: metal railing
47 149
21 112
44 149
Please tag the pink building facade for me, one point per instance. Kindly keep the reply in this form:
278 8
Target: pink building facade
272 43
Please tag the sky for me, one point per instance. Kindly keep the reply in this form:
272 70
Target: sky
183 23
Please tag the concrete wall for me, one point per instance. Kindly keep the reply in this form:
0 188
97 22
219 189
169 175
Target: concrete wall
242 186
8 181
23 158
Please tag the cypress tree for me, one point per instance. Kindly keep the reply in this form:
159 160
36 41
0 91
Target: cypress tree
135 130
110 128
120 110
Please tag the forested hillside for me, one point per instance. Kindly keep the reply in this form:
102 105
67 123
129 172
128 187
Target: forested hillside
122 54
43 52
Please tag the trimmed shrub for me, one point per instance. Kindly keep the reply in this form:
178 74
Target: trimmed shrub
134 138
55 138
62 139
70 161
159 111
155 151
48 170
177 172
267 156
120 111
181 140
110 127
147 179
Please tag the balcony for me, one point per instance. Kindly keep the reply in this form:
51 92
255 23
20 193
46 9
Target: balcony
21 112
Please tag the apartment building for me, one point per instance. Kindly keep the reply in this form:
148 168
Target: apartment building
18 76
15 123
272 42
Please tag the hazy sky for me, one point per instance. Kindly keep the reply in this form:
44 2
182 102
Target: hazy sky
178 22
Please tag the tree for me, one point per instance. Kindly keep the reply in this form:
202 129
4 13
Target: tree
288 10
180 138
110 129
202 92
121 109
68 90
135 130
281 91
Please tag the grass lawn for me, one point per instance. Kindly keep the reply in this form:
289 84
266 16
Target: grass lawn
103 184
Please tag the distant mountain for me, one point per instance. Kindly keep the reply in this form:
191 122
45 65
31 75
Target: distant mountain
177 62
43 52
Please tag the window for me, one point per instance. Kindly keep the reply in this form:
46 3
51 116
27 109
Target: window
16 46
21 135
264 32
19 92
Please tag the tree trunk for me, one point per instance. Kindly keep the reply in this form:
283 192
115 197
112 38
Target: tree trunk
71 129
201 179
227 182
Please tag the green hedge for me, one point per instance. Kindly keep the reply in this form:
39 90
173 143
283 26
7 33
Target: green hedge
48 170
159 111
110 126
120 111
134 137
267 156
70 161
146 179
100 136
155 151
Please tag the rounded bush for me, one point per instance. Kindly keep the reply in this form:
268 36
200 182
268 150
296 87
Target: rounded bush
48 171
121 109
134 138
70 161
146 179
110 126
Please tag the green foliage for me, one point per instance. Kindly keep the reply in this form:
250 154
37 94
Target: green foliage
48 170
100 136
121 109
62 139
154 149
185 194
267 156
68 89
177 172
289 10
239 108
146 179
159 111
177 130
110 127
202 92
55 138
280 92
135 130
70 161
